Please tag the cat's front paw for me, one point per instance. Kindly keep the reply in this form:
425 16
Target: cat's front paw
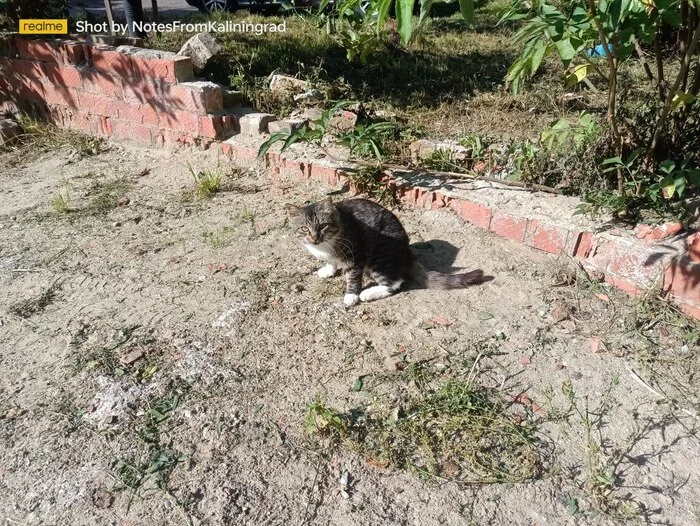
327 271
351 299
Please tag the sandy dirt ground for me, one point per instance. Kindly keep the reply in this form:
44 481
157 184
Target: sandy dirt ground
158 352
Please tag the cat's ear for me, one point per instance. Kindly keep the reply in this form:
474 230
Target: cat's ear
293 211
326 205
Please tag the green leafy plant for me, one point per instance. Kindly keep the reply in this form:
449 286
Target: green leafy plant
563 134
363 140
613 30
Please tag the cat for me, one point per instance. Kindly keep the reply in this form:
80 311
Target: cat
362 236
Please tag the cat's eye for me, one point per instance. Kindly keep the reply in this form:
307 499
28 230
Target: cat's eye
304 229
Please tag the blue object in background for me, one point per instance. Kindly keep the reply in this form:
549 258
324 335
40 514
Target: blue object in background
599 50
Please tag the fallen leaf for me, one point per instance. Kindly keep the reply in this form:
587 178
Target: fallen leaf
377 463
442 322
131 357
602 297
597 345
449 469
357 386
484 316
560 312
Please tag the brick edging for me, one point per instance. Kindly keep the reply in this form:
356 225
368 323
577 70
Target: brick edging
632 263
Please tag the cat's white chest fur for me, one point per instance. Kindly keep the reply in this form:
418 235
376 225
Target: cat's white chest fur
319 253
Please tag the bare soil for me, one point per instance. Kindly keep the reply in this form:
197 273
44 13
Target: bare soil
157 356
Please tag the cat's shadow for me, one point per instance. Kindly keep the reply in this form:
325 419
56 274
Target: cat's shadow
437 255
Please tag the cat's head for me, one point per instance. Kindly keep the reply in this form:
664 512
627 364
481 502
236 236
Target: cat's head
316 223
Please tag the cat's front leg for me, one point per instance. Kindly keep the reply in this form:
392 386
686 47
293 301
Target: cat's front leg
327 271
353 286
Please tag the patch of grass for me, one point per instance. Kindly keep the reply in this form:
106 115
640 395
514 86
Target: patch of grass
106 195
600 479
369 180
40 137
449 430
207 183
61 201
34 305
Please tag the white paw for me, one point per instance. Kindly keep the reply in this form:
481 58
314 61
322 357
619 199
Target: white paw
351 299
327 271
375 293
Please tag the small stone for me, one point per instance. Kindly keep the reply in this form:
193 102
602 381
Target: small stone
287 124
123 201
297 287
310 96
200 48
102 498
343 122
9 130
256 123
280 83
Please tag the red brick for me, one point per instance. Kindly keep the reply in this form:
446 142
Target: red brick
97 104
70 52
200 98
243 153
475 213
622 284
440 201
67 77
547 238
132 131
146 90
82 121
101 83
682 280
109 60
171 138
691 310
659 232
136 112
60 95
167 69
508 226
29 69
180 121
638 264
36 50
584 245
226 149
216 126
327 174
104 125
694 247
425 199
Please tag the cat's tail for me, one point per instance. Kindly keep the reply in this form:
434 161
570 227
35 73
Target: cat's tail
429 279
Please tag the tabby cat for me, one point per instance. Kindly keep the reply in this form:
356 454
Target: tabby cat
361 236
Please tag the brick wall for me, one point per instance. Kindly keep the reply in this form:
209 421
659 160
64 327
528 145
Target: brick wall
152 97
125 92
